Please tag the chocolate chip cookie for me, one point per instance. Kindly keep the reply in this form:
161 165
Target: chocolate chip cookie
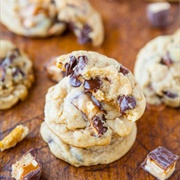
54 73
16 74
93 109
157 69
36 18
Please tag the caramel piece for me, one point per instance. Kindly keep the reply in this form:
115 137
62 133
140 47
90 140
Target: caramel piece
15 136
27 168
160 163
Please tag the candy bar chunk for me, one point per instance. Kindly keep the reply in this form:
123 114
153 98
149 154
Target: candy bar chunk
158 14
27 167
15 136
160 163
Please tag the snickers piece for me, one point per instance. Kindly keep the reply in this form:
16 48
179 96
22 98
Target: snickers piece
158 14
27 167
160 163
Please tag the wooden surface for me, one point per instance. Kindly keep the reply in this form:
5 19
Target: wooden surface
126 31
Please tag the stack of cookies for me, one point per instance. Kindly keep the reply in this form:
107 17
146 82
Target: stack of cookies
90 114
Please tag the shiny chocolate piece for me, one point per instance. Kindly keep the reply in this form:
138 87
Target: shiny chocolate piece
126 103
74 81
170 94
73 69
97 103
160 163
82 61
158 14
123 70
27 168
69 66
92 84
98 124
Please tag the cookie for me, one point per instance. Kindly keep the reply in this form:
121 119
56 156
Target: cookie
36 18
53 72
16 74
157 70
88 156
97 102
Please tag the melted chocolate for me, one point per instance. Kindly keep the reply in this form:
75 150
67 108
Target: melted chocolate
126 103
69 66
74 81
97 103
170 94
162 157
82 62
98 124
73 68
84 34
92 84
123 70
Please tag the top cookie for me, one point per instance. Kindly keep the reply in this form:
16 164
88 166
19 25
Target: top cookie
97 98
157 69
16 74
45 18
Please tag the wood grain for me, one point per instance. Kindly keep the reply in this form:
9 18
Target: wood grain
127 30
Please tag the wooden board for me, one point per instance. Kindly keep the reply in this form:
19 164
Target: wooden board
126 32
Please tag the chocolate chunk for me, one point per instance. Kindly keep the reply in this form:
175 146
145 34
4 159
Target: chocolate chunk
162 157
27 167
11 57
158 14
84 34
126 103
74 81
92 84
123 70
73 69
170 94
97 103
98 124
82 62
166 60
69 66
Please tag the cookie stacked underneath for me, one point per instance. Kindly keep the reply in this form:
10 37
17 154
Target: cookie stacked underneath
90 114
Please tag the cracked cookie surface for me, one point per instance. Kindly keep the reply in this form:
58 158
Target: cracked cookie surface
157 70
16 74
37 18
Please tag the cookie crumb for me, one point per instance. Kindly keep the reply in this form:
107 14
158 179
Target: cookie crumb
15 136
